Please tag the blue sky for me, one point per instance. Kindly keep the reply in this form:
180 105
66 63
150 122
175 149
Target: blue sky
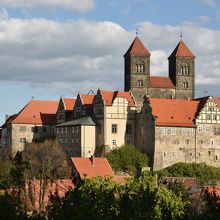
53 48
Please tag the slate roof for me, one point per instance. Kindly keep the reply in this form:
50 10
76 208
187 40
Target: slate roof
80 121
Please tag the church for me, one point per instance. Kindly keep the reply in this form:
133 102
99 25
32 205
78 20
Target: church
159 115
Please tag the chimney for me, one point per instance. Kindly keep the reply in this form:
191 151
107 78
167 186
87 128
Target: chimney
92 158
6 117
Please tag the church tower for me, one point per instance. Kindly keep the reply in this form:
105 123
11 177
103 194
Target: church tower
182 71
137 70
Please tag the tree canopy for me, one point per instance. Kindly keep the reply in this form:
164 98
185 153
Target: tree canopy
201 171
127 158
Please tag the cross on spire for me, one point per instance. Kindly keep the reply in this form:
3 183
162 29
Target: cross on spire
181 35
136 31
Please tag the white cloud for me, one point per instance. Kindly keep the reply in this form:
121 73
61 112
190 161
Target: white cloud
79 55
82 5
210 3
204 18
4 13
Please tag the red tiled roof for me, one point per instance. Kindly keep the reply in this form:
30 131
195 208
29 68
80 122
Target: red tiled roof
87 99
188 182
109 97
182 50
37 112
86 169
137 48
174 112
217 101
69 103
161 82
213 190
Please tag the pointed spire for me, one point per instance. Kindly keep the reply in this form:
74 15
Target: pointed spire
137 48
182 50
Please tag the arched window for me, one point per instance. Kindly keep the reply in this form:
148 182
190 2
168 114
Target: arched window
184 69
140 83
139 68
185 85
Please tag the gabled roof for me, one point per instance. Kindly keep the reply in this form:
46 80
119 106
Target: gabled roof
182 50
109 97
161 82
69 103
174 112
87 99
217 101
88 169
137 48
81 121
37 112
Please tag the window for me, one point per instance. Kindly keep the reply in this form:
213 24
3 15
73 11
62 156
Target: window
173 130
66 140
185 69
187 141
139 68
185 85
72 140
201 141
128 141
114 128
142 130
22 129
73 130
216 157
61 140
175 141
164 130
192 131
77 129
77 140
208 117
66 130
61 130
211 109
209 152
58 130
183 130
44 129
129 129
206 129
35 129
140 83
214 117
200 129
114 142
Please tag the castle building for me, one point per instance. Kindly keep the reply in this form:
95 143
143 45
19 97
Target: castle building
159 115
36 120
137 78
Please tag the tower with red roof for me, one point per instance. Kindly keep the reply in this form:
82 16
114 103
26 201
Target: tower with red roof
182 71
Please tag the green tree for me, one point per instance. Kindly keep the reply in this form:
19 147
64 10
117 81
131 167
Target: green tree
201 171
100 198
127 158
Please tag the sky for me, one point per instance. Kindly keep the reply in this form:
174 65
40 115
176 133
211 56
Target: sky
57 48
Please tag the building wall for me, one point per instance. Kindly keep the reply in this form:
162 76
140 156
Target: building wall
161 93
88 140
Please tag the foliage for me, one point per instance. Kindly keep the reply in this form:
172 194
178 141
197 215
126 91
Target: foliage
201 171
11 207
5 169
105 199
127 158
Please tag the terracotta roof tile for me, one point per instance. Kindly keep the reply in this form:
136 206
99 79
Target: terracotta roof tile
188 182
87 99
37 112
217 101
137 48
174 112
161 82
182 50
109 97
69 103
87 169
